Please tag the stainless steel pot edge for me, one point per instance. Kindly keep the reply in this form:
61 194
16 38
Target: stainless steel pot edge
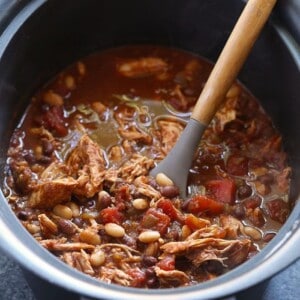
289 41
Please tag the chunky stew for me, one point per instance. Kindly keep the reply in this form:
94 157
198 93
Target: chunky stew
77 173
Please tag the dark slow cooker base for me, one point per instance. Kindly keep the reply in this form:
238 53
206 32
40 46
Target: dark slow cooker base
60 32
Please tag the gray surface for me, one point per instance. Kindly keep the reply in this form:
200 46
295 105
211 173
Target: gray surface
284 286
13 286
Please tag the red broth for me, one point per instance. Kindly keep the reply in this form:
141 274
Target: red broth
77 173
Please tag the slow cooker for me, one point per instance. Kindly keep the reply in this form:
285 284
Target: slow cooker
40 37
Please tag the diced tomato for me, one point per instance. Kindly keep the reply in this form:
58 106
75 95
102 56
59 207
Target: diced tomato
237 165
223 190
139 277
111 215
122 194
54 120
200 204
167 263
168 208
194 222
156 220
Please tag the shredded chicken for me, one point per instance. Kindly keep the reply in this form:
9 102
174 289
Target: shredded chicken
137 166
169 133
79 261
133 133
142 67
48 227
228 252
61 245
172 277
87 165
54 187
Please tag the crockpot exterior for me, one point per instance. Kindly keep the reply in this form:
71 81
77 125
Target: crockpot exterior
41 37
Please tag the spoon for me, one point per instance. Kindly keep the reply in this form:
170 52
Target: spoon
177 163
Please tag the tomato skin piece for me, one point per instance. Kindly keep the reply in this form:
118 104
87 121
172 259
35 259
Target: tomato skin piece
111 215
167 263
194 222
154 219
168 208
53 119
223 190
199 204
139 277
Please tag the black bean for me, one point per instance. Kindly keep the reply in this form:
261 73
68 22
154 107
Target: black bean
169 191
47 147
153 183
152 282
150 272
149 261
66 226
44 160
214 267
104 200
129 241
239 211
244 191
91 203
269 236
29 157
23 215
78 221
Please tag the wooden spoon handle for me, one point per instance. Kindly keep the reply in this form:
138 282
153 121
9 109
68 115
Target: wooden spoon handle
232 58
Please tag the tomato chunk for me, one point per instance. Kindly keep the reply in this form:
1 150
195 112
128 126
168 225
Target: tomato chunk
200 204
111 215
194 222
223 190
139 277
54 120
156 220
167 263
168 208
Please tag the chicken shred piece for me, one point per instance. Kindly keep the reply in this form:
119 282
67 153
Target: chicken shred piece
54 187
62 245
79 260
142 67
137 166
87 164
169 133
48 227
171 277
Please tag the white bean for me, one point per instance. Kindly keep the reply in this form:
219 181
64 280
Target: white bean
52 98
149 236
90 237
140 203
254 233
163 179
114 230
97 258
63 211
